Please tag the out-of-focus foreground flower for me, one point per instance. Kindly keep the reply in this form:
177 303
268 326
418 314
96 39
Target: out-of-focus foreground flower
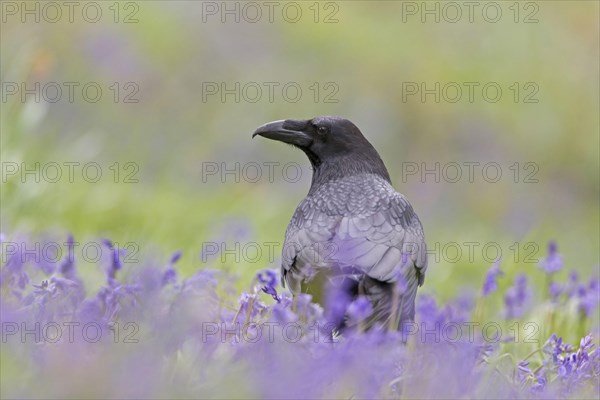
147 333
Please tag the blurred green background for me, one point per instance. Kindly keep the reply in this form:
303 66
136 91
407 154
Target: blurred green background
364 56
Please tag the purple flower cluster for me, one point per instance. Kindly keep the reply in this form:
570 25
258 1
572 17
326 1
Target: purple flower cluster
566 370
553 261
585 295
268 279
588 296
491 279
517 298
147 332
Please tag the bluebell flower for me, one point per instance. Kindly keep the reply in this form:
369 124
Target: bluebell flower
268 279
170 274
13 272
270 290
191 344
575 368
203 279
490 285
553 261
115 259
337 299
45 259
427 309
282 314
175 257
90 310
555 289
517 297
535 381
359 310
588 297
250 306
555 346
540 382
572 284
524 373
67 266
455 311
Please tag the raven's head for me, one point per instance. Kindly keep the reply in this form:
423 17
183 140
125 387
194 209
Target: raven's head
328 141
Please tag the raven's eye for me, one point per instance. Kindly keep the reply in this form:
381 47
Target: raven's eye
322 130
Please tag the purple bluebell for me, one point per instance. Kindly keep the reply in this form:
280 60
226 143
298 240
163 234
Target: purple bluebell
553 261
490 285
427 309
337 299
175 257
14 275
191 343
115 263
588 297
282 313
250 306
555 289
359 310
306 309
13 272
574 368
524 373
170 274
268 279
46 258
572 284
517 297
67 265
457 310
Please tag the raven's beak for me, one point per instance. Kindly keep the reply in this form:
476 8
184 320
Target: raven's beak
276 131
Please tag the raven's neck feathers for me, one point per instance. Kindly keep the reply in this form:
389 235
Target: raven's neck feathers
365 162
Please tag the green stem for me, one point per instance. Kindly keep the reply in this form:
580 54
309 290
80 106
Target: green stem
496 360
531 354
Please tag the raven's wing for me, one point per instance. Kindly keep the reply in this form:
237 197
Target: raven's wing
382 238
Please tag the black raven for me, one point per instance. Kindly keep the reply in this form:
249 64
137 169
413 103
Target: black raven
353 234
